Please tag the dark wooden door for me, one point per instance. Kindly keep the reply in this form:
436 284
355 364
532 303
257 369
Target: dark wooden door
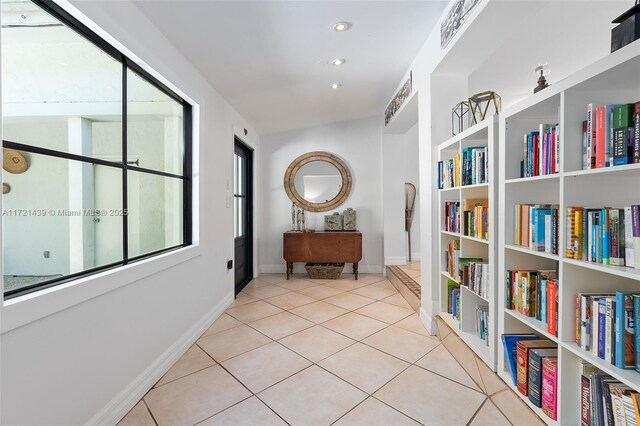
243 214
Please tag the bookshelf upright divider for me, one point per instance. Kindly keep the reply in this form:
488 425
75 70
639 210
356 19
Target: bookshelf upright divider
613 79
481 301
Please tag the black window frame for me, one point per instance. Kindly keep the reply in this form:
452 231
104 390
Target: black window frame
187 123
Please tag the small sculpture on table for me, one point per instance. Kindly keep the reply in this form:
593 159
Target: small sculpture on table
294 209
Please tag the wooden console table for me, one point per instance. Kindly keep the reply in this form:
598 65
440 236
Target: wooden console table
322 247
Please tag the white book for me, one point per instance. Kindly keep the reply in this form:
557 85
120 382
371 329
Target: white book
629 255
547 232
610 315
595 302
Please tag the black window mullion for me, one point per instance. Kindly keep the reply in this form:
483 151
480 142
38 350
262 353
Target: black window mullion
125 217
187 188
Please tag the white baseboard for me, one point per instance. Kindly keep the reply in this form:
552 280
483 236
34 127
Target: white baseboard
119 406
298 268
415 257
428 321
395 260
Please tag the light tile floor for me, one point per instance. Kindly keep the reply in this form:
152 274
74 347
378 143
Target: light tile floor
318 352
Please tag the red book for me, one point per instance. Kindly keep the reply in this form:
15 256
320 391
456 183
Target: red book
552 307
523 361
601 149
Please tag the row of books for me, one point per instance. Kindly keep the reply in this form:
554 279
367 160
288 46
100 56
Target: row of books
611 135
610 236
534 294
453 298
605 400
606 325
452 216
475 275
475 165
449 173
533 364
536 227
541 151
482 323
476 217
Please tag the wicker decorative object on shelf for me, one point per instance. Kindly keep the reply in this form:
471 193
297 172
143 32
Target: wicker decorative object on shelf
324 271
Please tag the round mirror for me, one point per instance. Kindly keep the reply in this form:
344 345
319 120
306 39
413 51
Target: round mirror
318 181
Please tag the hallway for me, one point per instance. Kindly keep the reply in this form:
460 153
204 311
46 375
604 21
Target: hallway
321 352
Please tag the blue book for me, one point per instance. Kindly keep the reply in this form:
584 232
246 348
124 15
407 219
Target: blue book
510 345
602 321
625 330
540 227
636 325
606 236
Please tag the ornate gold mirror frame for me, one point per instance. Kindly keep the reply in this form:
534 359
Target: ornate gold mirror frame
290 175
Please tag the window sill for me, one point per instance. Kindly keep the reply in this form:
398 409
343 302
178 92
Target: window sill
34 306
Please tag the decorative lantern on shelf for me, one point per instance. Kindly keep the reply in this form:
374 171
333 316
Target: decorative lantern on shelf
481 103
542 71
460 118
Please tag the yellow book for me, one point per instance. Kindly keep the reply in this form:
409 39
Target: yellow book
457 176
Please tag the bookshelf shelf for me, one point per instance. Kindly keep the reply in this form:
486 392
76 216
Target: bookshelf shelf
628 377
477 185
451 234
620 271
608 81
483 135
532 179
538 326
474 293
454 189
626 170
452 322
532 252
448 276
476 239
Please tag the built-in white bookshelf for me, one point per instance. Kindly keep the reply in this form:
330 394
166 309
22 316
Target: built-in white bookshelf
483 134
613 79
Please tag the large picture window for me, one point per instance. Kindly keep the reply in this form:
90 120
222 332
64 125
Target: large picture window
96 153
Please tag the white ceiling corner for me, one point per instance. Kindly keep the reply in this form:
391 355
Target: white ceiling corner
269 59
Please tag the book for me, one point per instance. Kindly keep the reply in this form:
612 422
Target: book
536 356
636 330
552 307
629 252
609 333
523 348
624 330
636 133
635 225
600 131
591 160
510 346
549 387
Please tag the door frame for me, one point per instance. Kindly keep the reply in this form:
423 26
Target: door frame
248 151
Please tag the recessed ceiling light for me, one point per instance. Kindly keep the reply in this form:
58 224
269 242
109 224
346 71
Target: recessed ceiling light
335 85
341 26
338 61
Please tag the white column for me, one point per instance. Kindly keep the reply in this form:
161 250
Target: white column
81 197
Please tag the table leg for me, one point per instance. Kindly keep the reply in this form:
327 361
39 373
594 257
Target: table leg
355 269
288 270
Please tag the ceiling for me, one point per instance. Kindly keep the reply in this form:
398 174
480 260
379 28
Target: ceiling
270 59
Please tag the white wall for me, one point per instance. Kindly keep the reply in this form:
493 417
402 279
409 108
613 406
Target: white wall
412 175
399 165
87 351
359 144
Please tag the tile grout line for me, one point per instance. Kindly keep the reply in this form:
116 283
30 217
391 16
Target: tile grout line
477 411
149 410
